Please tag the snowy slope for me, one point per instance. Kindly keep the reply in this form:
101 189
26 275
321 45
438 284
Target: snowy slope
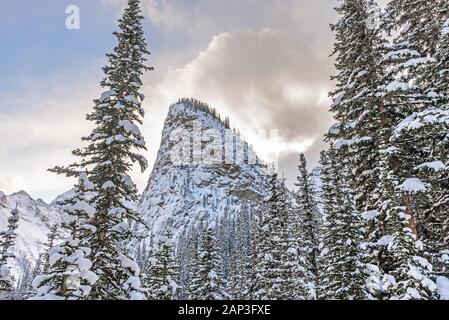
35 219
56 203
180 194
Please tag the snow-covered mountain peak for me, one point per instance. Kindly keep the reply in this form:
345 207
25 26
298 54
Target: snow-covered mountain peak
23 195
203 170
35 220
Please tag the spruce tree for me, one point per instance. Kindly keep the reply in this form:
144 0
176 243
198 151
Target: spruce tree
208 282
23 290
376 90
7 243
275 261
163 272
343 273
39 266
67 268
416 150
112 150
263 248
226 243
328 200
51 238
402 260
425 133
401 95
193 259
285 286
359 49
429 143
308 224
244 251
183 260
436 165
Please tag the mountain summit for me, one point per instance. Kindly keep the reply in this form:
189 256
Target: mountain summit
203 171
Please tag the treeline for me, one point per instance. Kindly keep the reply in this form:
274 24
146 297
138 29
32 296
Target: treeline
269 250
204 107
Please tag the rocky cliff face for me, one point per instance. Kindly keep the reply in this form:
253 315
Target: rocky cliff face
35 220
203 171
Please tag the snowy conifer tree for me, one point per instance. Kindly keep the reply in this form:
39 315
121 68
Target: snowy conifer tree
375 89
359 50
226 243
308 225
435 165
402 260
324 279
429 144
414 108
23 290
69 274
162 274
7 242
244 255
44 261
284 252
426 131
183 261
192 260
208 282
109 156
342 274
275 260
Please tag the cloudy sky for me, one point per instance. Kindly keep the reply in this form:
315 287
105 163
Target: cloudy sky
265 63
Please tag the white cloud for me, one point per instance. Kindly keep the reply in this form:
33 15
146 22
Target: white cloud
41 124
259 80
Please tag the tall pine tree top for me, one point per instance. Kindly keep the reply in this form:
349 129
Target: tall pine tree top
112 150
359 49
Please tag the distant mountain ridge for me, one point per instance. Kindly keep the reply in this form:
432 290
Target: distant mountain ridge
35 220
